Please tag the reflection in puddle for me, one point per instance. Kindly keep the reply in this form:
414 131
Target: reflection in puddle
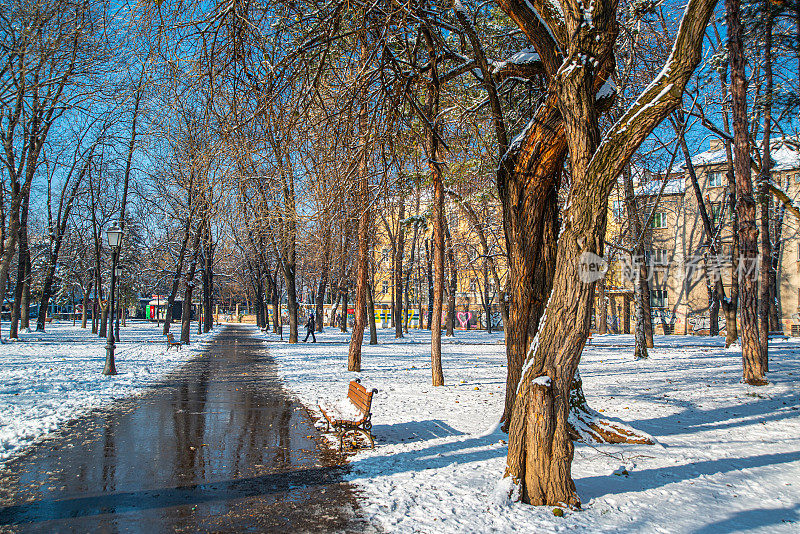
217 447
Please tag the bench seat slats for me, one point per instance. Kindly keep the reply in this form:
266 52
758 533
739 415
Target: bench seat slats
359 401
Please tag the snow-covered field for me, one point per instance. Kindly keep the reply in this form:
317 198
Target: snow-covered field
47 378
727 458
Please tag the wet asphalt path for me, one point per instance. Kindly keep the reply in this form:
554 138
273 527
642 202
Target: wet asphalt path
217 447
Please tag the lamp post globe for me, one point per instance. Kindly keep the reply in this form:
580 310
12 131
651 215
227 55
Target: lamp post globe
114 235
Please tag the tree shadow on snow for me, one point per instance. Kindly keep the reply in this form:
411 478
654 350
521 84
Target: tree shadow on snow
455 452
412 431
692 419
598 486
749 519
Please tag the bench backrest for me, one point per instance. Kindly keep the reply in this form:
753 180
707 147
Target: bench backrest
360 397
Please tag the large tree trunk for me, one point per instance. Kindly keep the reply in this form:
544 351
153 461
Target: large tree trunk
731 306
438 278
528 185
752 357
540 450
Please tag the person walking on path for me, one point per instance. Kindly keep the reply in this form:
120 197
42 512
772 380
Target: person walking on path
310 327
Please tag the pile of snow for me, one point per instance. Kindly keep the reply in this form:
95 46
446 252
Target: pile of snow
48 378
727 458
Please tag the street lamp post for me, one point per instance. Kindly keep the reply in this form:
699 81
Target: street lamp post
120 308
114 234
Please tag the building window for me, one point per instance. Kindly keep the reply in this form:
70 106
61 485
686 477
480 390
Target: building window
657 256
617 208
659 220
384 287
453 220
472 285
715 179
385 255
797 178
658 298
716 212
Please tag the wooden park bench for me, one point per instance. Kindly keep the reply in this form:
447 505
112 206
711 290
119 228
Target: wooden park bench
353 416
172 343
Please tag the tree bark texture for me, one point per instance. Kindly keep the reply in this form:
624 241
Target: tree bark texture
432 144
752 358
527 181
362 267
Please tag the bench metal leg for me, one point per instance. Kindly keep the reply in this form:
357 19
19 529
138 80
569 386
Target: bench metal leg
355 432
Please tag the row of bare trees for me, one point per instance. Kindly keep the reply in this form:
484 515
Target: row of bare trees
278 144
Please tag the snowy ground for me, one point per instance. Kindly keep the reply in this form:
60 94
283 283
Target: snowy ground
727 458
47 378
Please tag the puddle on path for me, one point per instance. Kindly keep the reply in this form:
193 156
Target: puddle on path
218 447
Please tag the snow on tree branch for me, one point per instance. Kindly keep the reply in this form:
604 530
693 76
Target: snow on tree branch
660 98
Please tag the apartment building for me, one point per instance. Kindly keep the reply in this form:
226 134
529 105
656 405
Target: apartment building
474 283
681 265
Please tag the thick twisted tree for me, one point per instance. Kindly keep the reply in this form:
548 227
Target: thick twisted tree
540 448
528 179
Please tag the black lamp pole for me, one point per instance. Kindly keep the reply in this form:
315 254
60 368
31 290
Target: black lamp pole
114 240
121 309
